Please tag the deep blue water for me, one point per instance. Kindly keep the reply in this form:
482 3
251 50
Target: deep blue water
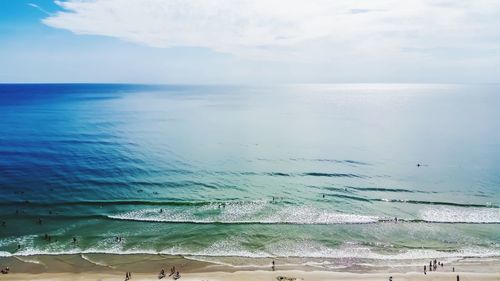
303 170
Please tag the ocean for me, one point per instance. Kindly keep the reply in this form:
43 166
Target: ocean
344 173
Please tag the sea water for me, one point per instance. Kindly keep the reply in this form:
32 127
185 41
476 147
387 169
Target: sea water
347 171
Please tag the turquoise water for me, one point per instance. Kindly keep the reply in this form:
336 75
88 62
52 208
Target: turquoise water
313 171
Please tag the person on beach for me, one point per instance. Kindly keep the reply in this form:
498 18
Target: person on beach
390 278
162 274
458 278
273 266
5 270
172 271
127 277
425 270
430 266
177 275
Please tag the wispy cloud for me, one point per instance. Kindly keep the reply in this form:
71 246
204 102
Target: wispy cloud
285 29
39 8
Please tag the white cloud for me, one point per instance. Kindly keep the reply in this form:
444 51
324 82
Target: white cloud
299 30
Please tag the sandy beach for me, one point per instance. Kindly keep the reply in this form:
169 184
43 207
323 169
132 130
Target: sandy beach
147 267
262 275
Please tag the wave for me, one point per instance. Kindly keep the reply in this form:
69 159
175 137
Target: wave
98 263
115 202
235 247
357 198
275 212
348 161
384 189
422 202
460 215
170 202
272 212
335 175
314 249
28 260
246 213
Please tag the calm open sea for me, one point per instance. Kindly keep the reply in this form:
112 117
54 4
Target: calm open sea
308 171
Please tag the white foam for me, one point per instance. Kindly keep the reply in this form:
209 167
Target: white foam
28 260
85 257
251 212
350 250
301 249
461 215
5 254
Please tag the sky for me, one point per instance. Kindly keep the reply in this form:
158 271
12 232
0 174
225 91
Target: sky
250 41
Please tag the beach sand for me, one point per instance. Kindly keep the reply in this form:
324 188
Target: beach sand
147 267
261 275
